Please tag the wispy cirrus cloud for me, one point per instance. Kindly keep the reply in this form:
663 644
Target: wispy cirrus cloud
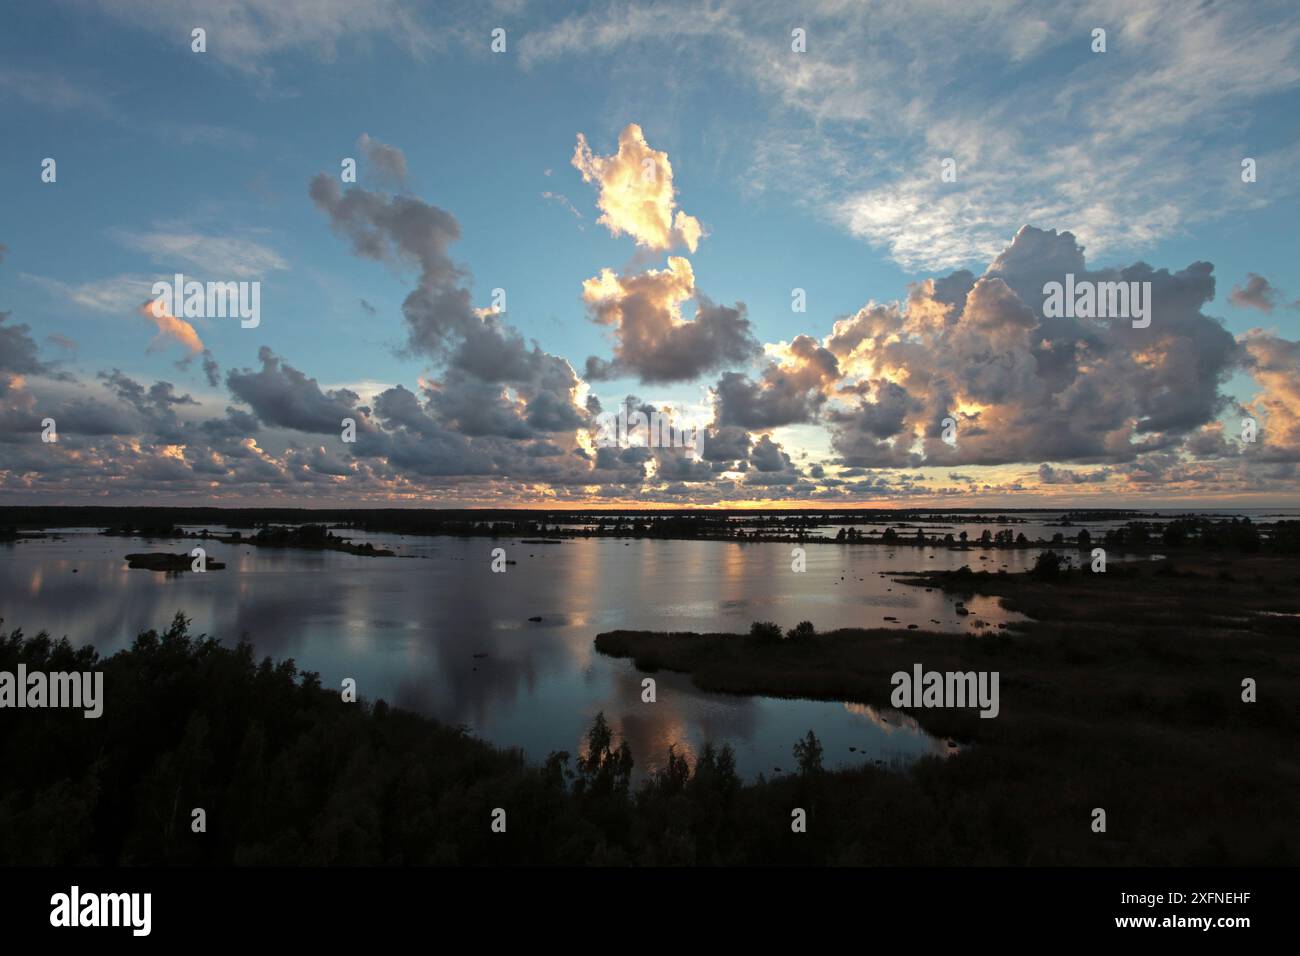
232 256
1129 146
247 34
115 295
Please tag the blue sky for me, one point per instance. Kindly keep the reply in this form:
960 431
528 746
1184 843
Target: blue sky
815 170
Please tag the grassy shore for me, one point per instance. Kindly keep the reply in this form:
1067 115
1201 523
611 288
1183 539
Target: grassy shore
1124 692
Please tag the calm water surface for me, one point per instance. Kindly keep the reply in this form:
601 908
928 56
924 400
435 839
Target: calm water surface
413 629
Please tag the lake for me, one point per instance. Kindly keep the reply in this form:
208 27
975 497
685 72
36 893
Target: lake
436 631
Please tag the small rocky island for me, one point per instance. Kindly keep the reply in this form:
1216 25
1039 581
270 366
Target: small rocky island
309 537
164 561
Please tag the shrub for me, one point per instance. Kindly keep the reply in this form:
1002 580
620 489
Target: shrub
802 631
1047 566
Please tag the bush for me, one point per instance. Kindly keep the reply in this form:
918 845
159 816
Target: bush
802 631
765 632
1047 566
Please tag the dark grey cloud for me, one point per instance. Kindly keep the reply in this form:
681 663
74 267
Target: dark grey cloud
726 444
659 353
211 370
402 230
788 393
768 456
284 397
18 349
1064 476
481 352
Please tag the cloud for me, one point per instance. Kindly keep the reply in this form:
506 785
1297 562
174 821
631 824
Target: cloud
62 342
1128 147
636 195
211 370
118 295
18 352
404 230
226 257
1257 293
1020 386
1063 476
1087 405
249 34
652 338
563 201
481 351
52 91
768 456
170 327
1275 364
790 390
389 162
156 406
282 396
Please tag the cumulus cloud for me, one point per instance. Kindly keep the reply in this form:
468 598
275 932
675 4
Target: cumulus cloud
768 456
654 341
403 230
1021 386
791 390
1257 293
636 195
1275 364
281 395
1094 403
483 355
1085 402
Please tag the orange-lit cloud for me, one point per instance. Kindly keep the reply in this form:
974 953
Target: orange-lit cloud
170 327
636 192
1275 364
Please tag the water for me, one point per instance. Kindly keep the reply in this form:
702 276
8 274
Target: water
410 628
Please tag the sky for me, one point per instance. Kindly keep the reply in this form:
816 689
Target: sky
816 239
